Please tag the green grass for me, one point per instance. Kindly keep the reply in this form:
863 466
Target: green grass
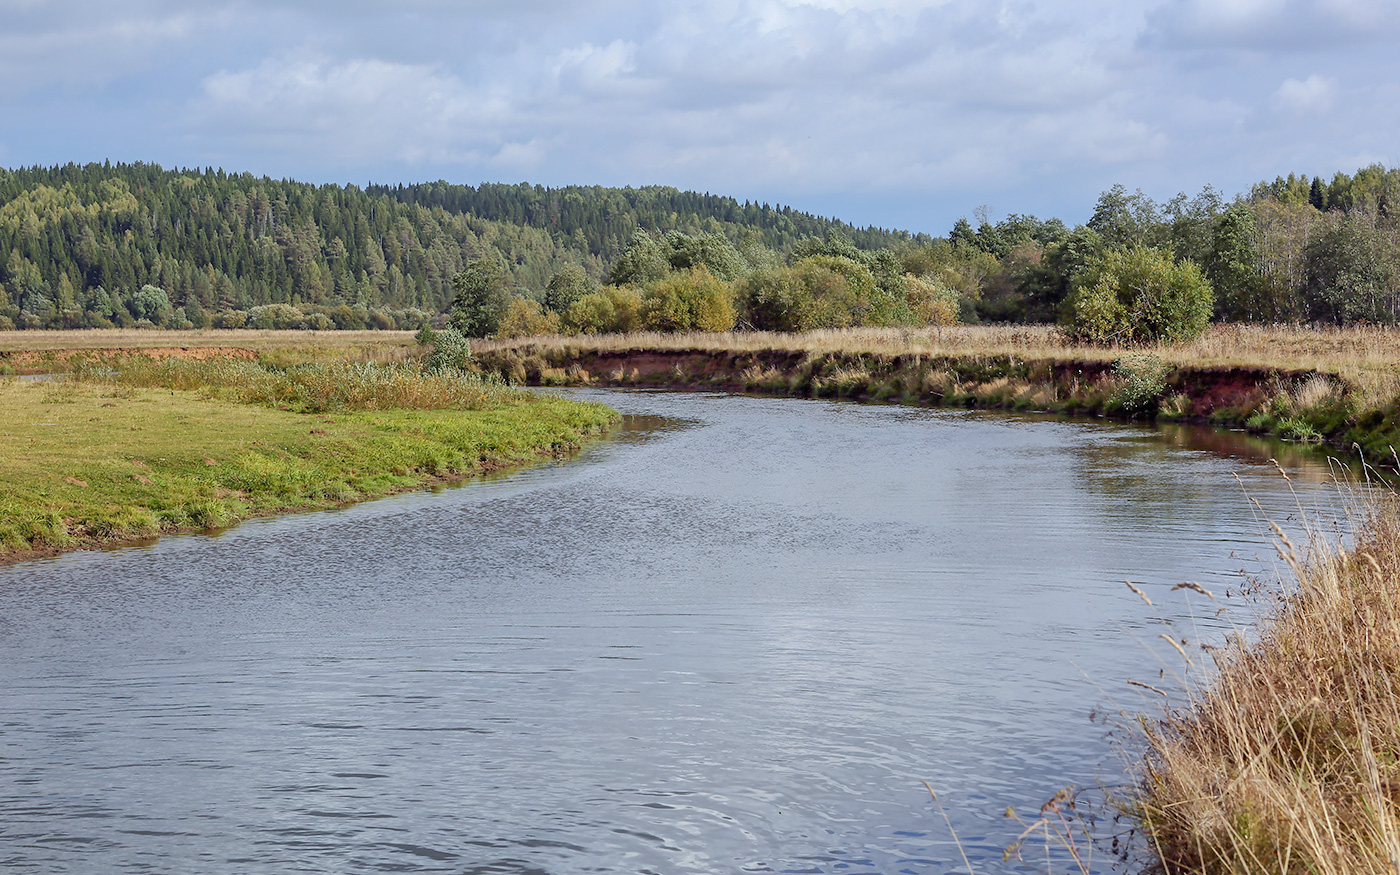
88 463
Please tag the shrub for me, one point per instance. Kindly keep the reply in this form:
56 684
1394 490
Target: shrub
1142 381
524 317
230 319
932 301
567 286
613 309
151 304
1135 296
275 317
692 300
451 351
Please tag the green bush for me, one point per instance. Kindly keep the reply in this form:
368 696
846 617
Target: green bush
451 351
1136 296
612 309
1142 381
691 300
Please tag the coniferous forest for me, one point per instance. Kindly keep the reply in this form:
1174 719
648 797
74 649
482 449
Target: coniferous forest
102 245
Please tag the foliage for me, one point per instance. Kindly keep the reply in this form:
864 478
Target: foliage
691 300
611 310
526 317
77 242
1352 270
932 301
480 297
567 286
152 304
644 260
1233 266
451 350
1138 295
1142 381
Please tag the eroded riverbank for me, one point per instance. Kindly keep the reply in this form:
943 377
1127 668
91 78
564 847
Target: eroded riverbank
1303 405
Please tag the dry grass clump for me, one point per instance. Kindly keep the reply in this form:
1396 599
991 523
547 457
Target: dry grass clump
312 388
1289 760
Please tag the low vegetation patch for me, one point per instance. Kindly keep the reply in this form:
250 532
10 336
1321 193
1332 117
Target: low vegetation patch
1288 761
165 446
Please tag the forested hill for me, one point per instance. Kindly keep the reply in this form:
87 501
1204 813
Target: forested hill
79 242
601 220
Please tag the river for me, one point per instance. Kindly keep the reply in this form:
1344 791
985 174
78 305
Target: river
735 637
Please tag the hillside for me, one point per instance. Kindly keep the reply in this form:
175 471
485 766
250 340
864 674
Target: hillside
79 242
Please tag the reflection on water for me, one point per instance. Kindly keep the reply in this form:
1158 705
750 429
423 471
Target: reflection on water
736 637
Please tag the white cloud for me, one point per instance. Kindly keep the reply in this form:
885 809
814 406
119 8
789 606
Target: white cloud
1276 25
359 110
906 100
1311 95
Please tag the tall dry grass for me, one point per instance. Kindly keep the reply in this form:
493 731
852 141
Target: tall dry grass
312 388
1366 357
1288 760
290 345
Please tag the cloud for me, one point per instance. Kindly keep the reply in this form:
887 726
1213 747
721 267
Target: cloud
1272 25
37 52
1311 95
816 101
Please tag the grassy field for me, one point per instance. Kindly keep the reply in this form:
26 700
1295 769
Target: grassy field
280 347
90 462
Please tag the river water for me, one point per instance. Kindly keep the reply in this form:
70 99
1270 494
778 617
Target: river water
736 637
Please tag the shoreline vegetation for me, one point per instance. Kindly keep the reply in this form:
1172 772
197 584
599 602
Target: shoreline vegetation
1287 757
1338 386
122 448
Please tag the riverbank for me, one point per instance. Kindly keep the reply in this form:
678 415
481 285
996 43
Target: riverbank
1343 392
97 460
1288 760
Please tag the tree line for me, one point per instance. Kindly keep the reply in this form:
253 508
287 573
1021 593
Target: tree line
133 244
100 245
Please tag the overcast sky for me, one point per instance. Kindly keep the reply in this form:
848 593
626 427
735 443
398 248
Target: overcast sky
897 113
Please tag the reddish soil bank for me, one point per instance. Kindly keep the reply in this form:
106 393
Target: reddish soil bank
1210 390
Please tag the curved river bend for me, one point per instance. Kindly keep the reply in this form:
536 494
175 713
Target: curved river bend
732 639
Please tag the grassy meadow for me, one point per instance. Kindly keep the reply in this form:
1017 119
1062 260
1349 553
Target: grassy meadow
96 457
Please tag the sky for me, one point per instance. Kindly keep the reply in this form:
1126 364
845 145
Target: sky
895 113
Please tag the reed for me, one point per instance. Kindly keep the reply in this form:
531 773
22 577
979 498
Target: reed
1287 760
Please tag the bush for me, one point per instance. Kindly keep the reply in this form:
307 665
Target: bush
1138 295
1142 381
524 317
151 304
278 317
932 301
567 286
613 309
692 300
451 351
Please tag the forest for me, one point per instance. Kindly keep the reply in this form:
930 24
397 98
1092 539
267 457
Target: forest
102 245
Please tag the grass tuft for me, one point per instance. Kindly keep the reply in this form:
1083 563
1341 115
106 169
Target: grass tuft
1288 760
